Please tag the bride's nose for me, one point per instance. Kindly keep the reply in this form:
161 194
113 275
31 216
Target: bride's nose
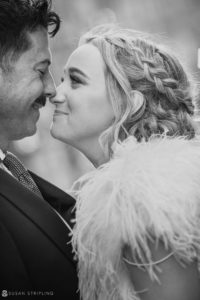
59 97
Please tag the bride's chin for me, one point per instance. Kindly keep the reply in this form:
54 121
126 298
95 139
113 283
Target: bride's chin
54 133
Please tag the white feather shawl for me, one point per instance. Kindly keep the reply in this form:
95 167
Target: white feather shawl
149 189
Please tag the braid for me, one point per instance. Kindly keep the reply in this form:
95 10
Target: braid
134 62
166 80
166 89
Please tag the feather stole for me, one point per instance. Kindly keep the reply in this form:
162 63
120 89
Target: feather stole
148 190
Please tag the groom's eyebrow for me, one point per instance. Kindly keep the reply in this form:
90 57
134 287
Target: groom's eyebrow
76 70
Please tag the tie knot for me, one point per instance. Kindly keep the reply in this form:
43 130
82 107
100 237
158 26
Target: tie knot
14 165
18 170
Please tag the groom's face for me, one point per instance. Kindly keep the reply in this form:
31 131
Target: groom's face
24 88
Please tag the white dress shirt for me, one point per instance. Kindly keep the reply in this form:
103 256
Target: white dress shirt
2 166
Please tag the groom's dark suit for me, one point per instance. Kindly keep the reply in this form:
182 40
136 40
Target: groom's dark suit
34 251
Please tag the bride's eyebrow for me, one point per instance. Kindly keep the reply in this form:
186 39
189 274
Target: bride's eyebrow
76 70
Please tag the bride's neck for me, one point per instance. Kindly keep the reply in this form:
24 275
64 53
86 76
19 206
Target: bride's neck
97 161
94 154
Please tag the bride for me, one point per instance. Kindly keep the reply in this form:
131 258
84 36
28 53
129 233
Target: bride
127 105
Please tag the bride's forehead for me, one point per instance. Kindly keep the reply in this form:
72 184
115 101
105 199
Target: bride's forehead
87 56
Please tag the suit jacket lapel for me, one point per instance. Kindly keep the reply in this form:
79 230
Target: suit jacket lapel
38 210
55 196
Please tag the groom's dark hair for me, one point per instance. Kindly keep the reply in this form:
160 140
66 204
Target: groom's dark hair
18 18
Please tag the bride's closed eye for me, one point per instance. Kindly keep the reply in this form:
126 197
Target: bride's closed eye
74 79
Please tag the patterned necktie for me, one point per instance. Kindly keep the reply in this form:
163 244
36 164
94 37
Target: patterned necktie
15 166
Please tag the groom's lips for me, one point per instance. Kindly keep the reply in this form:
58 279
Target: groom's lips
58 112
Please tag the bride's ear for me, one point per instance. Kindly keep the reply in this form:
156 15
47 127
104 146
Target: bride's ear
137 100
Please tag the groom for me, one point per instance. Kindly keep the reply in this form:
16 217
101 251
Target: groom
35 253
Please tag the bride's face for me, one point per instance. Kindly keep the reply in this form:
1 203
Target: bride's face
82 108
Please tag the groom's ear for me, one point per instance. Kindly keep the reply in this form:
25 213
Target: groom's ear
137 100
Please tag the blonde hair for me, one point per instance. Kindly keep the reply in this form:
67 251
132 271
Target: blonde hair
135 62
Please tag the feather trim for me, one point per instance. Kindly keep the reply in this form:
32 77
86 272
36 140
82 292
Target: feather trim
149 190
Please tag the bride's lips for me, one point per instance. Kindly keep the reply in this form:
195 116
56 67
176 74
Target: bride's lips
60 112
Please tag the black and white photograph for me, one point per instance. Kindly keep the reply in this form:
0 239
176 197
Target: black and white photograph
100 149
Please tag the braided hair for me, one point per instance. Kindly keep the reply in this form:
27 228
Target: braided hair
135 63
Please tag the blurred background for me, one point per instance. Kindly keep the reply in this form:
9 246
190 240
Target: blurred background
177 23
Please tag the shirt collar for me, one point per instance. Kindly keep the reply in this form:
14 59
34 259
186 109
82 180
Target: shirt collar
2 155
